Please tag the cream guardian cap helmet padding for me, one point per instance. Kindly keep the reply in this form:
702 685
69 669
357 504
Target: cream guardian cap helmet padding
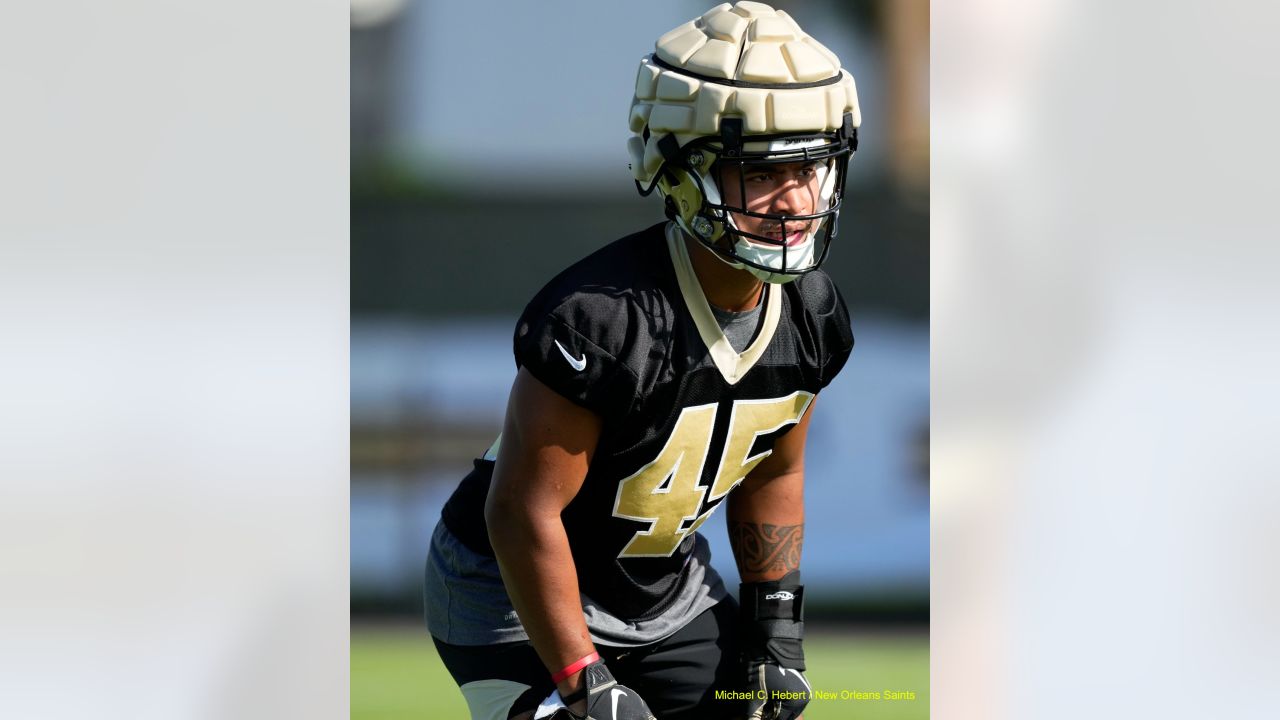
743 85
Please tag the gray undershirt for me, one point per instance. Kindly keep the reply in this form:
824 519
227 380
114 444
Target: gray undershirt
739 328
467 604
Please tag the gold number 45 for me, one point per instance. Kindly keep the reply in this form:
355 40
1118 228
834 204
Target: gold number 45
666 494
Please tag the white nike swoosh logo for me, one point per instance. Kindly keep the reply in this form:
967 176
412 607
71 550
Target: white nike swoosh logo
807 687
614 693
577 363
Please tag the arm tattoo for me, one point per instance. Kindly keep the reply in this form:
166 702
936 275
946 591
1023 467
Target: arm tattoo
765 548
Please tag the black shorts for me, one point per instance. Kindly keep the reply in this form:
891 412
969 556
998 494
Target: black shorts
677 677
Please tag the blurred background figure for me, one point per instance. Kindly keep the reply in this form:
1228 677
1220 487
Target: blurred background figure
472 184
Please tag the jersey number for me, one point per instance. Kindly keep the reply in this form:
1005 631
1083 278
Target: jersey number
666 494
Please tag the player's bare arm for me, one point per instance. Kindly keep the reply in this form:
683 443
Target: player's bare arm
766 532
766 513
547 443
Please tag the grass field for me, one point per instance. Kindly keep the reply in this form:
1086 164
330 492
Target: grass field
395 675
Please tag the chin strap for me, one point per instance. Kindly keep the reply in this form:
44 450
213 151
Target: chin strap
772 617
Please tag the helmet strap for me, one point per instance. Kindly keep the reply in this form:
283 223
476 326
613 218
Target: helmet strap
731 136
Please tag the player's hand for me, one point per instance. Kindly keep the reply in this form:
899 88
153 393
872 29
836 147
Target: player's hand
605 699
772 648
777 693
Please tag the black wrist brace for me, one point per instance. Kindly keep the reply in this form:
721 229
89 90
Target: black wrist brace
772 619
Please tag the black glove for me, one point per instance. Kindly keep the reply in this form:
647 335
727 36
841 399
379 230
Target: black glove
772 633
606 699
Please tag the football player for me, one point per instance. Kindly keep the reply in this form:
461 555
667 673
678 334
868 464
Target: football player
670 373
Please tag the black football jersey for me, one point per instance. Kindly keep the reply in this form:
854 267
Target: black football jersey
628 334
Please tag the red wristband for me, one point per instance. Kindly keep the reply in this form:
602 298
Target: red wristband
575 666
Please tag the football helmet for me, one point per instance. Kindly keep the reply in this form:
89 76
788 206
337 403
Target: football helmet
725 97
